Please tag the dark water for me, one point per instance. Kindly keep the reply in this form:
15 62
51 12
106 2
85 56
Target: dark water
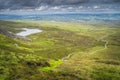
64 17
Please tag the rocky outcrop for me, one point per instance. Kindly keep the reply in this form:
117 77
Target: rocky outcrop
4 31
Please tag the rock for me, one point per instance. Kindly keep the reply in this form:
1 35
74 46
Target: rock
16 45
22 38
4 31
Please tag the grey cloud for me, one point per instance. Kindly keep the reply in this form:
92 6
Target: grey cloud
20 4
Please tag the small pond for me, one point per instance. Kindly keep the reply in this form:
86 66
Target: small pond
27 32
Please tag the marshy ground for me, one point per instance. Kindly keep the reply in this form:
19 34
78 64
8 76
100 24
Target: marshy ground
62 51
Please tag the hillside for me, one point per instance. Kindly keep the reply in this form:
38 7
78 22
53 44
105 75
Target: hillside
63 51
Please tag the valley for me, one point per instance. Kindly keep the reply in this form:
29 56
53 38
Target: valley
62 51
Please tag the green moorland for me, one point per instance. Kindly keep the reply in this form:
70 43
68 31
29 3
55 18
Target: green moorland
63 51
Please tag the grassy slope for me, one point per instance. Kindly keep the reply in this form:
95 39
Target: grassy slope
41 58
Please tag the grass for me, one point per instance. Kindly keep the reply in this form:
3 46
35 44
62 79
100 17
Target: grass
53 65
41 58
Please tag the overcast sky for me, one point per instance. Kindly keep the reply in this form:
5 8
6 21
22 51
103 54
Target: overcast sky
60 5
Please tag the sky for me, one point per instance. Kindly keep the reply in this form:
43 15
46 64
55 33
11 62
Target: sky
49 6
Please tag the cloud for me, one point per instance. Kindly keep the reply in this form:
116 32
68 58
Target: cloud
96 7
59 5
55 7
41 8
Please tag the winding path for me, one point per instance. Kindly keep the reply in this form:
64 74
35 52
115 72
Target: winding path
67 57
105 47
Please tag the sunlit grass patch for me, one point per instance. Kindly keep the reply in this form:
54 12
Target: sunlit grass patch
43 42
53 65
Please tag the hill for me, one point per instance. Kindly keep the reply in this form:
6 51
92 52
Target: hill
63 51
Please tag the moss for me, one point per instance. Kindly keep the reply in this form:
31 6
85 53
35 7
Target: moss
53 65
